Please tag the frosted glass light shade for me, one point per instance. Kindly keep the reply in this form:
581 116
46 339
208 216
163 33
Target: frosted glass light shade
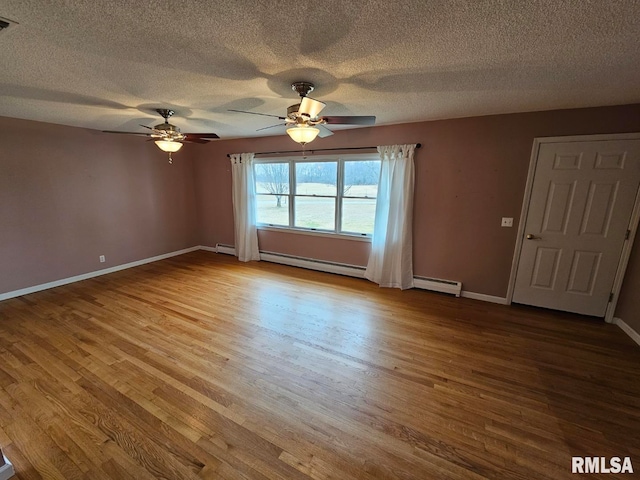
168 145
304 134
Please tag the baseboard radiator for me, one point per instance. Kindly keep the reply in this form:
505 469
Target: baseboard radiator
424 283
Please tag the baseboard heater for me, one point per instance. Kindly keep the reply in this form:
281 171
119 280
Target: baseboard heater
425 283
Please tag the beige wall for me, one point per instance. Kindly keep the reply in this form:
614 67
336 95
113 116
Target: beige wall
68 195
470 172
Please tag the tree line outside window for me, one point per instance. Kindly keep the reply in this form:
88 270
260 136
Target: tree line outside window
331 195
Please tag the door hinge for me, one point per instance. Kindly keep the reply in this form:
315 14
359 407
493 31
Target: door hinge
611 297
626 235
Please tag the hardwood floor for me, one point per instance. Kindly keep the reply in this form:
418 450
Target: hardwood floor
200 367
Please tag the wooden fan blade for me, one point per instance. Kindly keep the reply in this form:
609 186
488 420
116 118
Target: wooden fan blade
184 140
127 133
324 131
256 113
271 126
310 107
201 135
353 120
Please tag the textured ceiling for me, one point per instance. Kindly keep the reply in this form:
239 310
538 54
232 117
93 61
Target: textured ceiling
107 64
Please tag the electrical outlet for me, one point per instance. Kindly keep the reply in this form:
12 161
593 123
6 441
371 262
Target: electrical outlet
102 259
507 221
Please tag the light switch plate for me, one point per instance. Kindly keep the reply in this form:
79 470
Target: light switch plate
507 221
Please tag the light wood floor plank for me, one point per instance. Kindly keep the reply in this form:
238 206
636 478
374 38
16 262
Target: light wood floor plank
201 367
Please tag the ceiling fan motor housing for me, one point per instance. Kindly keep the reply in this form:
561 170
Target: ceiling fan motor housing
166 130
167 127
292 111
302 89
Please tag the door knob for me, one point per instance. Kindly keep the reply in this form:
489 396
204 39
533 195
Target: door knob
531 236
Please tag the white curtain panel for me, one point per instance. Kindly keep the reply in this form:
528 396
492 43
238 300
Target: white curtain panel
244 207
391 259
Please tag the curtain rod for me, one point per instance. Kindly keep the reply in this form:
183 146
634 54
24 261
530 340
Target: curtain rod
418 145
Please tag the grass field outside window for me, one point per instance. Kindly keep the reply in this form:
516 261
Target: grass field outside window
334 195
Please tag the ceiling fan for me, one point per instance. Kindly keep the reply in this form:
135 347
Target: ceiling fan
303 117
167 136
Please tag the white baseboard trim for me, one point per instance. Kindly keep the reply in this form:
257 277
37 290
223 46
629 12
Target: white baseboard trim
485 298
340 269
6 471
97 273
635 336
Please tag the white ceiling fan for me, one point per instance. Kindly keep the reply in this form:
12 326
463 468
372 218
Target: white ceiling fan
167 136
303 118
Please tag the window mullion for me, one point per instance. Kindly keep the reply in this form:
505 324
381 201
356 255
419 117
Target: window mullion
340 190
292 192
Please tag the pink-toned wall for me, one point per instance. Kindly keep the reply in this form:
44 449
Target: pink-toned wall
68 195
470 172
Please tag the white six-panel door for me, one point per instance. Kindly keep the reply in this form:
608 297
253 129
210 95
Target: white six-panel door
581 203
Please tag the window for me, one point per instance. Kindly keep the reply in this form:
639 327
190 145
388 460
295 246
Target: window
326 194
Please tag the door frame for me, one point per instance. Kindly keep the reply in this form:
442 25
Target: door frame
633 223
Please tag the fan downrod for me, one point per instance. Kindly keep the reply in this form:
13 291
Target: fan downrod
165 113
302 88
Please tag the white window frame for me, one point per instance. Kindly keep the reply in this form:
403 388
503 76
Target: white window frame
340 160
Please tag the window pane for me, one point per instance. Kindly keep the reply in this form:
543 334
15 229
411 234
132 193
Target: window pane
273 209
272 178
358 215
361 178
315 212
316 178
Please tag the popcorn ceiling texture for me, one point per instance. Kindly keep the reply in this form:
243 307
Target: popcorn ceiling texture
107 64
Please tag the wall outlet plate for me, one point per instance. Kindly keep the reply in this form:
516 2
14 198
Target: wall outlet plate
507 221
102 259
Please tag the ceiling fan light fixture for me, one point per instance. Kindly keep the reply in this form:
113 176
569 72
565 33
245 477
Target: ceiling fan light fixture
303 133
310 107
168 145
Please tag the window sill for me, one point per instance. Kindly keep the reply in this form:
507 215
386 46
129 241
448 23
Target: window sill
316 233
